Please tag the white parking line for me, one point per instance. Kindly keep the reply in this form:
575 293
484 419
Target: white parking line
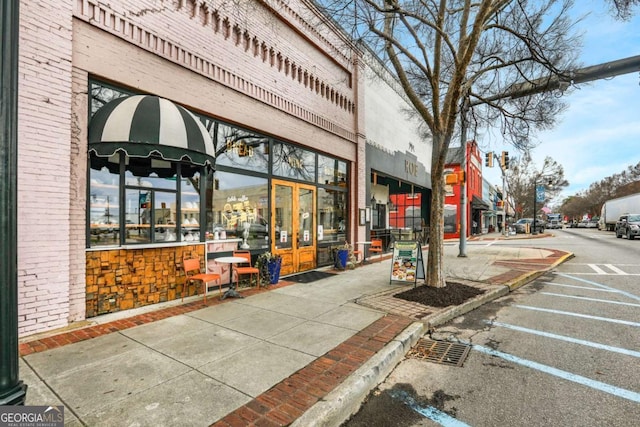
580 287
597 269
567 339
585 316
616 269
591 299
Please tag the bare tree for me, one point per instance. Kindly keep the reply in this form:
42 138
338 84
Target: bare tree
522 179
590 201
622 9
448 54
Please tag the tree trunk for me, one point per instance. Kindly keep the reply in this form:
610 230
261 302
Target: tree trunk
435 258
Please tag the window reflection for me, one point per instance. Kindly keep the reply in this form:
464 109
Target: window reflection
331 171
240 209
152 211
293 162
331 215
104 207
406 212
242 149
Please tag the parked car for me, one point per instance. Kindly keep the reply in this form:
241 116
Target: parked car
521 225
628 225
592 223
582 224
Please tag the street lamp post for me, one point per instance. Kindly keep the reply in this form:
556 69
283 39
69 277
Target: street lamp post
12 390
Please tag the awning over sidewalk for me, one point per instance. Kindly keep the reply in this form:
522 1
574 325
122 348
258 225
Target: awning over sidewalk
146 126
478 203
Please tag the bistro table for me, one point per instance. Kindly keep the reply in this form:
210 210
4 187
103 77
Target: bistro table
231 292
364 252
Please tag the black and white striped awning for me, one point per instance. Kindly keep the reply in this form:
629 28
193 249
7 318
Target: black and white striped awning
144 126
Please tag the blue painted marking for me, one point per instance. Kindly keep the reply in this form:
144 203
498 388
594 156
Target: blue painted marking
568 339
430 412
586 316
627 294
591 299
607 388
581 287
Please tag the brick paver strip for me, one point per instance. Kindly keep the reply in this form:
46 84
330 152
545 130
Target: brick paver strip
285 401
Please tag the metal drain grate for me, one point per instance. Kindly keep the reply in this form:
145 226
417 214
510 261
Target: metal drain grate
444 352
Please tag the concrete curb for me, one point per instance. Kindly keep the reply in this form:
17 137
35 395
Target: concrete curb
346 398
528 277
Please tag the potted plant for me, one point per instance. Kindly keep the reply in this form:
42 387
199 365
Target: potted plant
345 257
269 266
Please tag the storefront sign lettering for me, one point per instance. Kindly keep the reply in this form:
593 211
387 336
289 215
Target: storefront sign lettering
240 148
295 163
411 168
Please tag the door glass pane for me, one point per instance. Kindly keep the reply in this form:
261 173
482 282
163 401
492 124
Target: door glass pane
306 236
284 216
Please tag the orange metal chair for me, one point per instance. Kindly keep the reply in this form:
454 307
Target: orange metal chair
193 273
376 247
246 268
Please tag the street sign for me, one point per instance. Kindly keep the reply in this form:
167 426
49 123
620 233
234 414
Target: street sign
540 194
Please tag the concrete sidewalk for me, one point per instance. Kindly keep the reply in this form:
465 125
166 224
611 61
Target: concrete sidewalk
300 354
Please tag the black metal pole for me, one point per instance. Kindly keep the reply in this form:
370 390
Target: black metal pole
12 390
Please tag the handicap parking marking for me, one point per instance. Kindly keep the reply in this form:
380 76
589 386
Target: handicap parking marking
584 316
598 385
599 285
565 338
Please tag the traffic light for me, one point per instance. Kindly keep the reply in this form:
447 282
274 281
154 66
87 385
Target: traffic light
488 159
505 160
454 178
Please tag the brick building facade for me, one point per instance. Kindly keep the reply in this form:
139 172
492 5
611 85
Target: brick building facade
276 67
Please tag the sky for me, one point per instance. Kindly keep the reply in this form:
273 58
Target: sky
598 135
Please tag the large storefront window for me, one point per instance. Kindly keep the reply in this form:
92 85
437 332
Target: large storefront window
407 212
242 149
241 209
155 209
293 162
332 217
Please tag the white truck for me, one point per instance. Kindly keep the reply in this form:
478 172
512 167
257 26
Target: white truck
612 209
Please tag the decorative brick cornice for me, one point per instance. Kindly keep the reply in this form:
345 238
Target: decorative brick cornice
101 16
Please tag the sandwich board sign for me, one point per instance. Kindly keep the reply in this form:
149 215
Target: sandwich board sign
407 262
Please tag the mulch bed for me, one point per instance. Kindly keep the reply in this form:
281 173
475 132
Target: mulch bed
453 294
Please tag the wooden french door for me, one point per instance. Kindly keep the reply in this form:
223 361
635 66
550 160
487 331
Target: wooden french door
293 218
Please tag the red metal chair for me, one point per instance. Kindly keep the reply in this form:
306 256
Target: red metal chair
193 273
246 268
